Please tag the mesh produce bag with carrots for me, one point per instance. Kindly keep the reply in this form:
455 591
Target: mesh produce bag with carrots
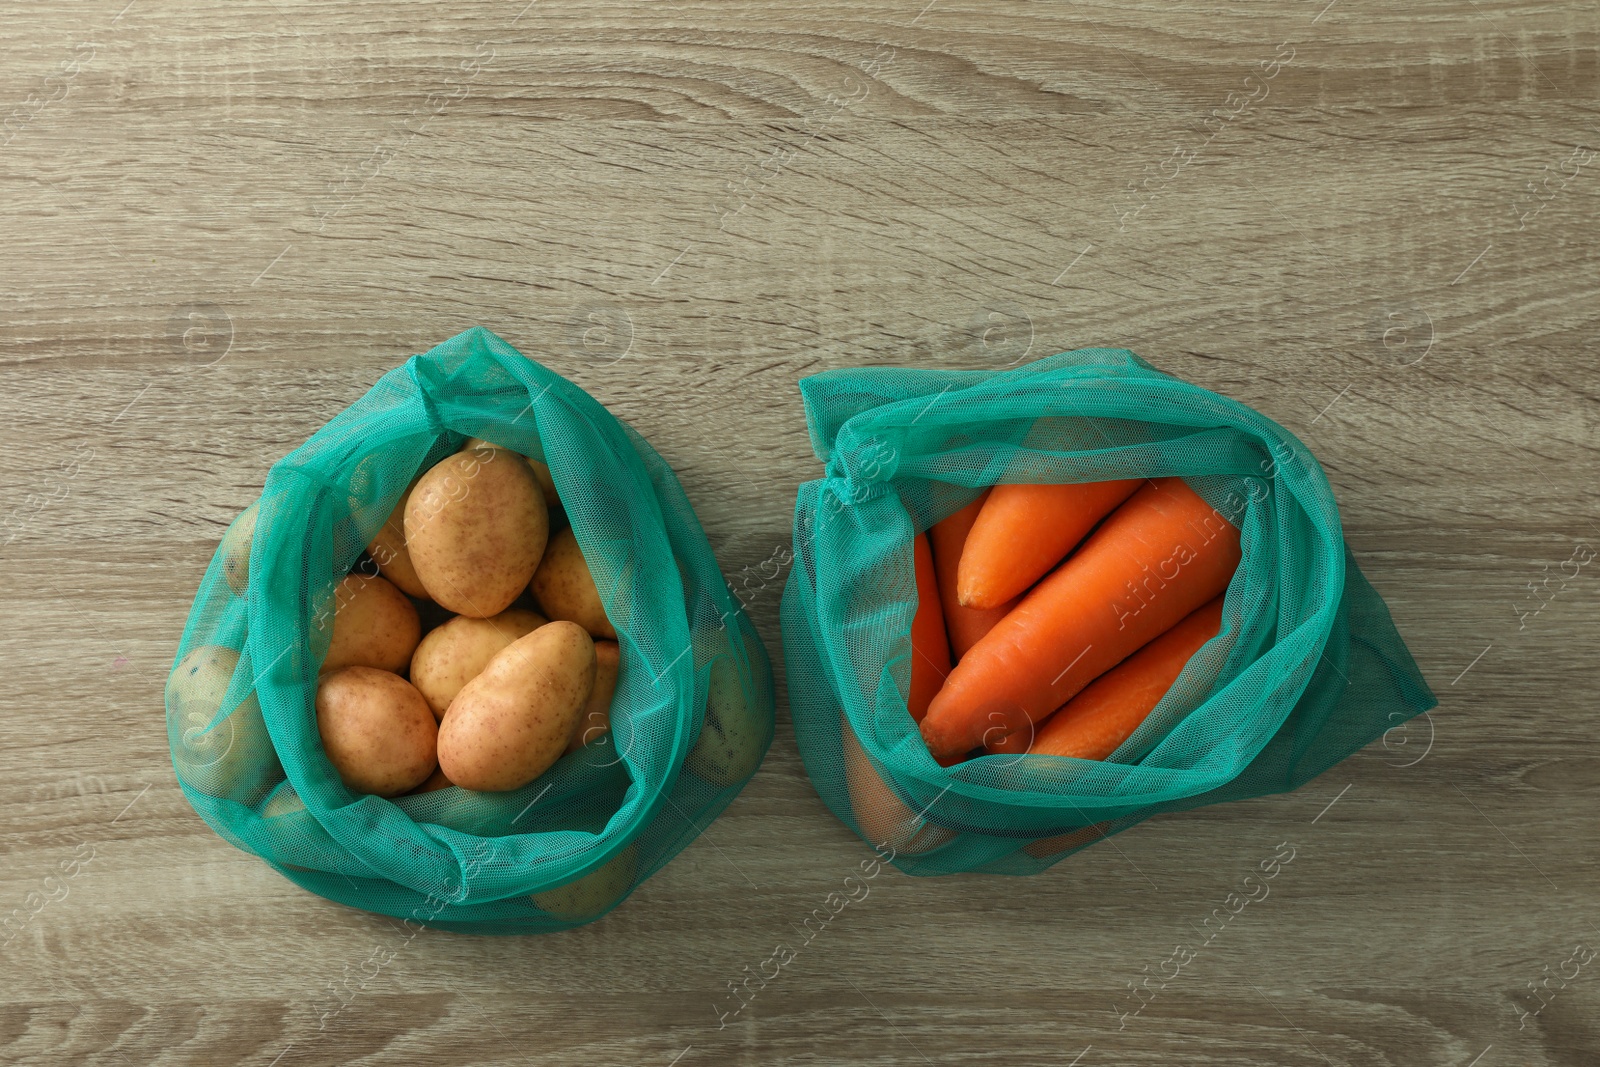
321 596
1029 609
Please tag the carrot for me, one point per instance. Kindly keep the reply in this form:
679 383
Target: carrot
1159 556
964 625
1095 722
1045 847
883 818
1025 530
930 651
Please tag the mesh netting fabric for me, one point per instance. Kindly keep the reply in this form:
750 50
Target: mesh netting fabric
690 722
1308 667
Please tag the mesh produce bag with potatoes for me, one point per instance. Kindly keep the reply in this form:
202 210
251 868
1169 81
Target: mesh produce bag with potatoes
1304 669
315 576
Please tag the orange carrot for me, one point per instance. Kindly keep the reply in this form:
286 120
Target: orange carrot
1155 559
1045 847
964 625
884 819
1025 530
930 651
1095 722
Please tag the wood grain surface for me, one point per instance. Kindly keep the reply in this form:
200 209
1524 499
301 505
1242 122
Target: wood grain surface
1376 223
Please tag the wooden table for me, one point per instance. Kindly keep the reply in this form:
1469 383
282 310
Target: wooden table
224 221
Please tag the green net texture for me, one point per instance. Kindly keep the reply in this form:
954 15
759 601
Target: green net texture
1308 667
691 720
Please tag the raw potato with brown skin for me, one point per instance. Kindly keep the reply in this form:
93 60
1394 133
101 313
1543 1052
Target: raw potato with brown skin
594 892
476 529
374 625
565 589
511 722
541 471
547 484
236 549
283 801
232 759
595 722
729 748
377 730
388 550
455 653
436 781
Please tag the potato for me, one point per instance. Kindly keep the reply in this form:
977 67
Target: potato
388 549
435 782
235 549
374 625
476 529
547 484
283 801
594 892
376 729
731 742
456 653
595 722
541 471
511 722
232 759
565 590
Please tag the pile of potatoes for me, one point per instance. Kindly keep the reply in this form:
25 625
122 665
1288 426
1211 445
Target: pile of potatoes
472 650
521 673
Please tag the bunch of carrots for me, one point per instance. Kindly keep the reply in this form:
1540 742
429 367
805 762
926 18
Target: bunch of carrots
1034 634
1050 619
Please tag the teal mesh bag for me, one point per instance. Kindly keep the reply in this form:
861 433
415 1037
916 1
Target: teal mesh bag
1308 667
691 720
